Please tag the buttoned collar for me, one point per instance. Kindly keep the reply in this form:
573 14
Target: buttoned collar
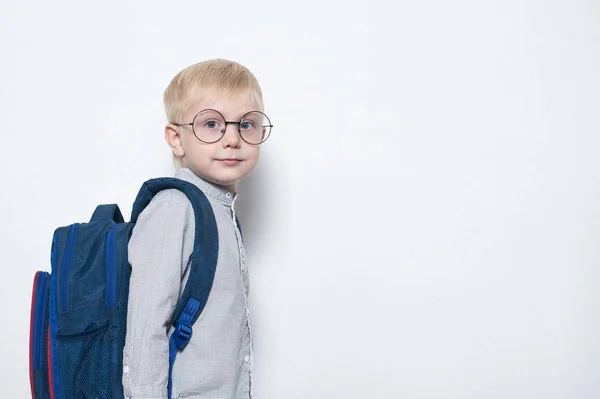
209 188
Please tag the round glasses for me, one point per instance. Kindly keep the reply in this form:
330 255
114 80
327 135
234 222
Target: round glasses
209 126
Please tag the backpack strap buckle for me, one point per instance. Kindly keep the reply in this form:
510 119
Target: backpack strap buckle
182 335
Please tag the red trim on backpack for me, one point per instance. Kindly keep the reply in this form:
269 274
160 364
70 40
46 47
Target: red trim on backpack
51 387
31 327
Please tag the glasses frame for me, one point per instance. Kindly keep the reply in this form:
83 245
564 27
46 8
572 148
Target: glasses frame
238 123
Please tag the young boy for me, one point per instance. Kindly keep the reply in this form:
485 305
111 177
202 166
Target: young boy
215 129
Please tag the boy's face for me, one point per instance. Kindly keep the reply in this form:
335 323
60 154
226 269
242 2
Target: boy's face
207 160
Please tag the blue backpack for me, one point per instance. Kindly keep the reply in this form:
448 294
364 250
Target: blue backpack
79 310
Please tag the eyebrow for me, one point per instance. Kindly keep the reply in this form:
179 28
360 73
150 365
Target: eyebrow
237 119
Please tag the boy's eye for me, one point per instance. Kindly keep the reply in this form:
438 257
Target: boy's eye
212 124
246 125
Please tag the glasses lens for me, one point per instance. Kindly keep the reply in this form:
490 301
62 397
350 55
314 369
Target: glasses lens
209 126
255 127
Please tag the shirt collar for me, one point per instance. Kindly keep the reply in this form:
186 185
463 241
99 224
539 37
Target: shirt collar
209 188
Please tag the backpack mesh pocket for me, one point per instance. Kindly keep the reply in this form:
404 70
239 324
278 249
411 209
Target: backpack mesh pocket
84 362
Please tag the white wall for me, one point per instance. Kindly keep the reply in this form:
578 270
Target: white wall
425 219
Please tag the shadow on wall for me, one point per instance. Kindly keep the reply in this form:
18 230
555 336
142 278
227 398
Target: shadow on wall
257 207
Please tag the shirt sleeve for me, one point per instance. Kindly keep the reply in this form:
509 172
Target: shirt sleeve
159 249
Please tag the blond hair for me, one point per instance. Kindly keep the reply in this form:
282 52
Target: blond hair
206 78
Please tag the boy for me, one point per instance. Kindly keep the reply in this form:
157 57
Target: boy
215 129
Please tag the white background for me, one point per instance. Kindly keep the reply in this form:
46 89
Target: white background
425 219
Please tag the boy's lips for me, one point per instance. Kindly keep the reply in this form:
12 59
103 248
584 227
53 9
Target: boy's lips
230 161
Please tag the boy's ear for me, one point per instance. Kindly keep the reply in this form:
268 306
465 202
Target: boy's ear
174 139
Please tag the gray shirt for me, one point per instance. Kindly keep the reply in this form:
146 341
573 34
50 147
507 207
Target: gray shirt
217 362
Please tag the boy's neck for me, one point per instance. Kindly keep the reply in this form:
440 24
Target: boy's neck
230 188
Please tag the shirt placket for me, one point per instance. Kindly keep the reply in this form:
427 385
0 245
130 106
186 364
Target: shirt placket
245 284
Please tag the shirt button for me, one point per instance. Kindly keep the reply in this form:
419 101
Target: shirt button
126 369
247 358
228 195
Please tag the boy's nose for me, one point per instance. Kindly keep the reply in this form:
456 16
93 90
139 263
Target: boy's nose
231 136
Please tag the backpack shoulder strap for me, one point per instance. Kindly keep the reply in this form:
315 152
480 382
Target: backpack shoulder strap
204 259
206 245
